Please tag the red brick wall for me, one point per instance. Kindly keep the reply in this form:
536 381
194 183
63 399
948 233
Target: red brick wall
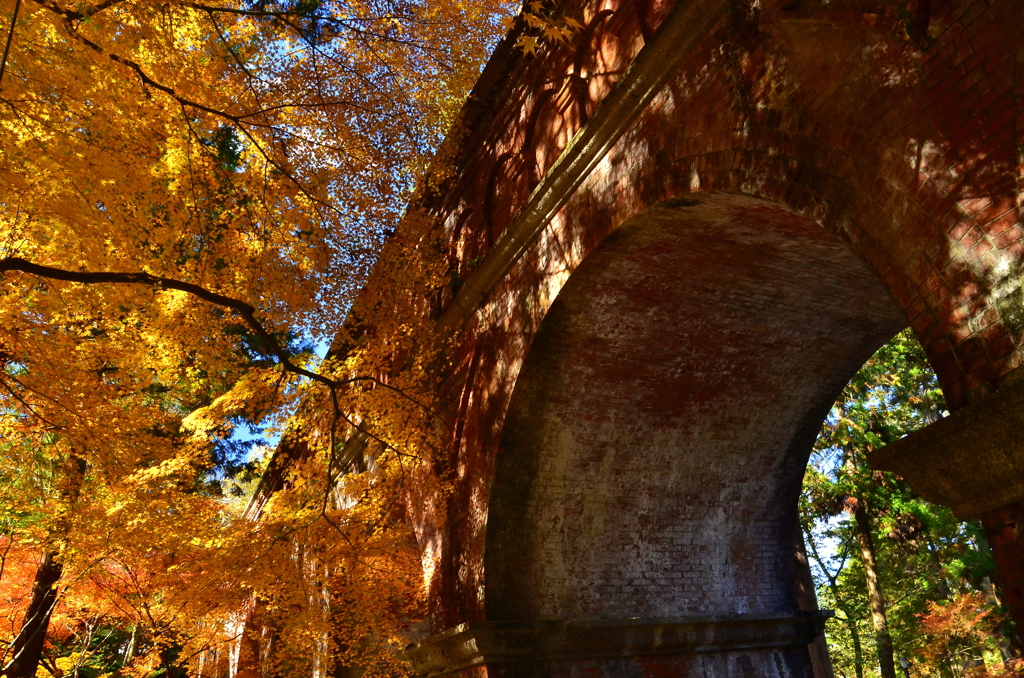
903 149
659 430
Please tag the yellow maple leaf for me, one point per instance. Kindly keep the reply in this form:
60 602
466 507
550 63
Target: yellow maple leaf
535 21
528 44
555 34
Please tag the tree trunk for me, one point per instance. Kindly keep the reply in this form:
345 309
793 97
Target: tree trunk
940 576
169 663
27 648
129 651
250 646
821 663
848 619
858 650
883 641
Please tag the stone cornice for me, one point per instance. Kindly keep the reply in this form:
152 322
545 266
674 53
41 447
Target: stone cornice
688 23
478 643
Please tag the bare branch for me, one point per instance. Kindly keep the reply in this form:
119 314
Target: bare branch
10 37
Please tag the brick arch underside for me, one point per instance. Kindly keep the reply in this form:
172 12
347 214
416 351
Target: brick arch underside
659 429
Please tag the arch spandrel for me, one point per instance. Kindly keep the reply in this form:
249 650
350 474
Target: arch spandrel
913 167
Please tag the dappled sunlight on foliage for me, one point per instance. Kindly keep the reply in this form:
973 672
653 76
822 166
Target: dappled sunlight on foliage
191 196
955 629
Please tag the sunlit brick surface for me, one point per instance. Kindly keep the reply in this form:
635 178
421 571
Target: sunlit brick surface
856 168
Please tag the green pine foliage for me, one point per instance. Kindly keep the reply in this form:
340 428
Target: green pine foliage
936 572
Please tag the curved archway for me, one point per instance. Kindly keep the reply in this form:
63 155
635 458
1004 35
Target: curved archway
660 426
923 206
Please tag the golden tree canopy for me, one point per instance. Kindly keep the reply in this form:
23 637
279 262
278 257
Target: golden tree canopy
190 194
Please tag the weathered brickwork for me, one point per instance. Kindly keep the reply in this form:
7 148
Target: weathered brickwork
663 417
908 155
638 385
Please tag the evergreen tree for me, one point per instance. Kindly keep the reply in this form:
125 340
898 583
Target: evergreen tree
905 577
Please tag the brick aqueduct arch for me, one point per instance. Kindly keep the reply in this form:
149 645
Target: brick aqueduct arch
673 240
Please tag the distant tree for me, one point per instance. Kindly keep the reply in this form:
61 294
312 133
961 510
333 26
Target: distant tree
884 557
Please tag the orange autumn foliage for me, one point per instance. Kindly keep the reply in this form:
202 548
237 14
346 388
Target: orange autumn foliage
188 192
957 631
18 570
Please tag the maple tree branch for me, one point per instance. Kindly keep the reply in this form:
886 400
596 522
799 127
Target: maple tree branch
262 13
106 4
171 92
246 311
350 24
243 309
29 407
234 54
248 315
10 37
46 396
72 15
143 76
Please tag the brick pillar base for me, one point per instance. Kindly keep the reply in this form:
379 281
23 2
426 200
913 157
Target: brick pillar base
744 646
791 662
1004 528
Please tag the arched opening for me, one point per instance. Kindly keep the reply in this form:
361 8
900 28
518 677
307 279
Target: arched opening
659 429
